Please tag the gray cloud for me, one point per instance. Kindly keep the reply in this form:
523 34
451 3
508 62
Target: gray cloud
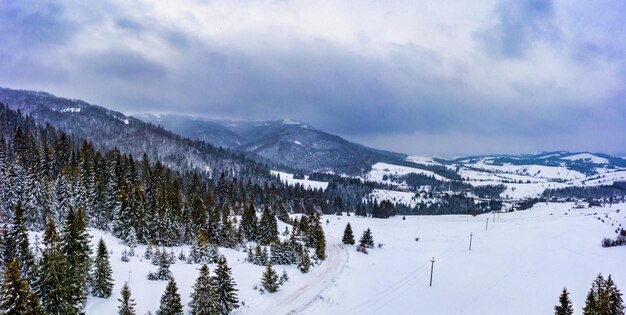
527 85
519 25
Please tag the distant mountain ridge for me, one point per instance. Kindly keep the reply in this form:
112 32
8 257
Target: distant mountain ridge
289 142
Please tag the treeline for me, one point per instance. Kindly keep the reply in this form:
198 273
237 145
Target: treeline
415 181
48 171
604 298
616 191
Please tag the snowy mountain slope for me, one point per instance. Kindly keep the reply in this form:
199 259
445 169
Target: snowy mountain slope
196 128
287 142
108 129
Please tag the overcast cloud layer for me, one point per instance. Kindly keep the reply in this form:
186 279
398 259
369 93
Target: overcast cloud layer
422 77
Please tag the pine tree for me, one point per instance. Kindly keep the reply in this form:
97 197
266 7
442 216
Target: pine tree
348 236
16 298
52 283
320 246
127 304
616 303
590 304
304 264
102 280
225 285
75 240
565 305
268 228
367 240
170 300
249 223
18 245
204 296
270 279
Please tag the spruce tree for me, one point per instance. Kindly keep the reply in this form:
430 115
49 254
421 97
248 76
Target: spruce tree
268 228
367 240
320 246
127 304
565 305
75 239
204 296
270 279
348 236
53 285
225 285
16 298
170 300
590 304
249 223
304 264
102 280
616 303
18 245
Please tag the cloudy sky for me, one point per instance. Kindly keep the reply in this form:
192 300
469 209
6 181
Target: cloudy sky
422 77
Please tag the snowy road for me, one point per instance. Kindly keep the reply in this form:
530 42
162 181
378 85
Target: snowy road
295 298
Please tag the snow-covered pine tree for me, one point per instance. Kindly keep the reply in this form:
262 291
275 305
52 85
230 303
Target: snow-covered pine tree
75 240
204 296
270 279
565 305
18 246
249 223
225 285
304 261
101 278
590 304
320 246
268 228
163 261
53 286
616 303
15 294
170 300
348 236
367 240
127 304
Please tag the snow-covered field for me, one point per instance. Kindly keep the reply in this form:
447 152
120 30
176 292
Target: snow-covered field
379 170
517 266
311 184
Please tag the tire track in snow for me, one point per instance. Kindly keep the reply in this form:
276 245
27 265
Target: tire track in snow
295 300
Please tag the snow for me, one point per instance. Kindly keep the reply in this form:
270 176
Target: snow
297 142
587 157
517 266
71 110
379 170
396 197
310 184
422 160
126 121
535 171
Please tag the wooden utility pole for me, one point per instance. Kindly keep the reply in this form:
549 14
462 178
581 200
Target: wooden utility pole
471 235
432 266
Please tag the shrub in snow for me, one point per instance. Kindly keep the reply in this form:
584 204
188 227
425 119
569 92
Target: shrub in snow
417 239
361 249
380 245
125 256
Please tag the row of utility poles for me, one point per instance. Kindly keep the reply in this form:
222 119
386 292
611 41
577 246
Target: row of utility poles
432 261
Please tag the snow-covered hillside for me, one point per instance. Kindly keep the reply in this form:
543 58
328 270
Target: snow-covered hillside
380 170
306 183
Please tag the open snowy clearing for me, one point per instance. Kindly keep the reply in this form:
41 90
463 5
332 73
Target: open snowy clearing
306 183
518 266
